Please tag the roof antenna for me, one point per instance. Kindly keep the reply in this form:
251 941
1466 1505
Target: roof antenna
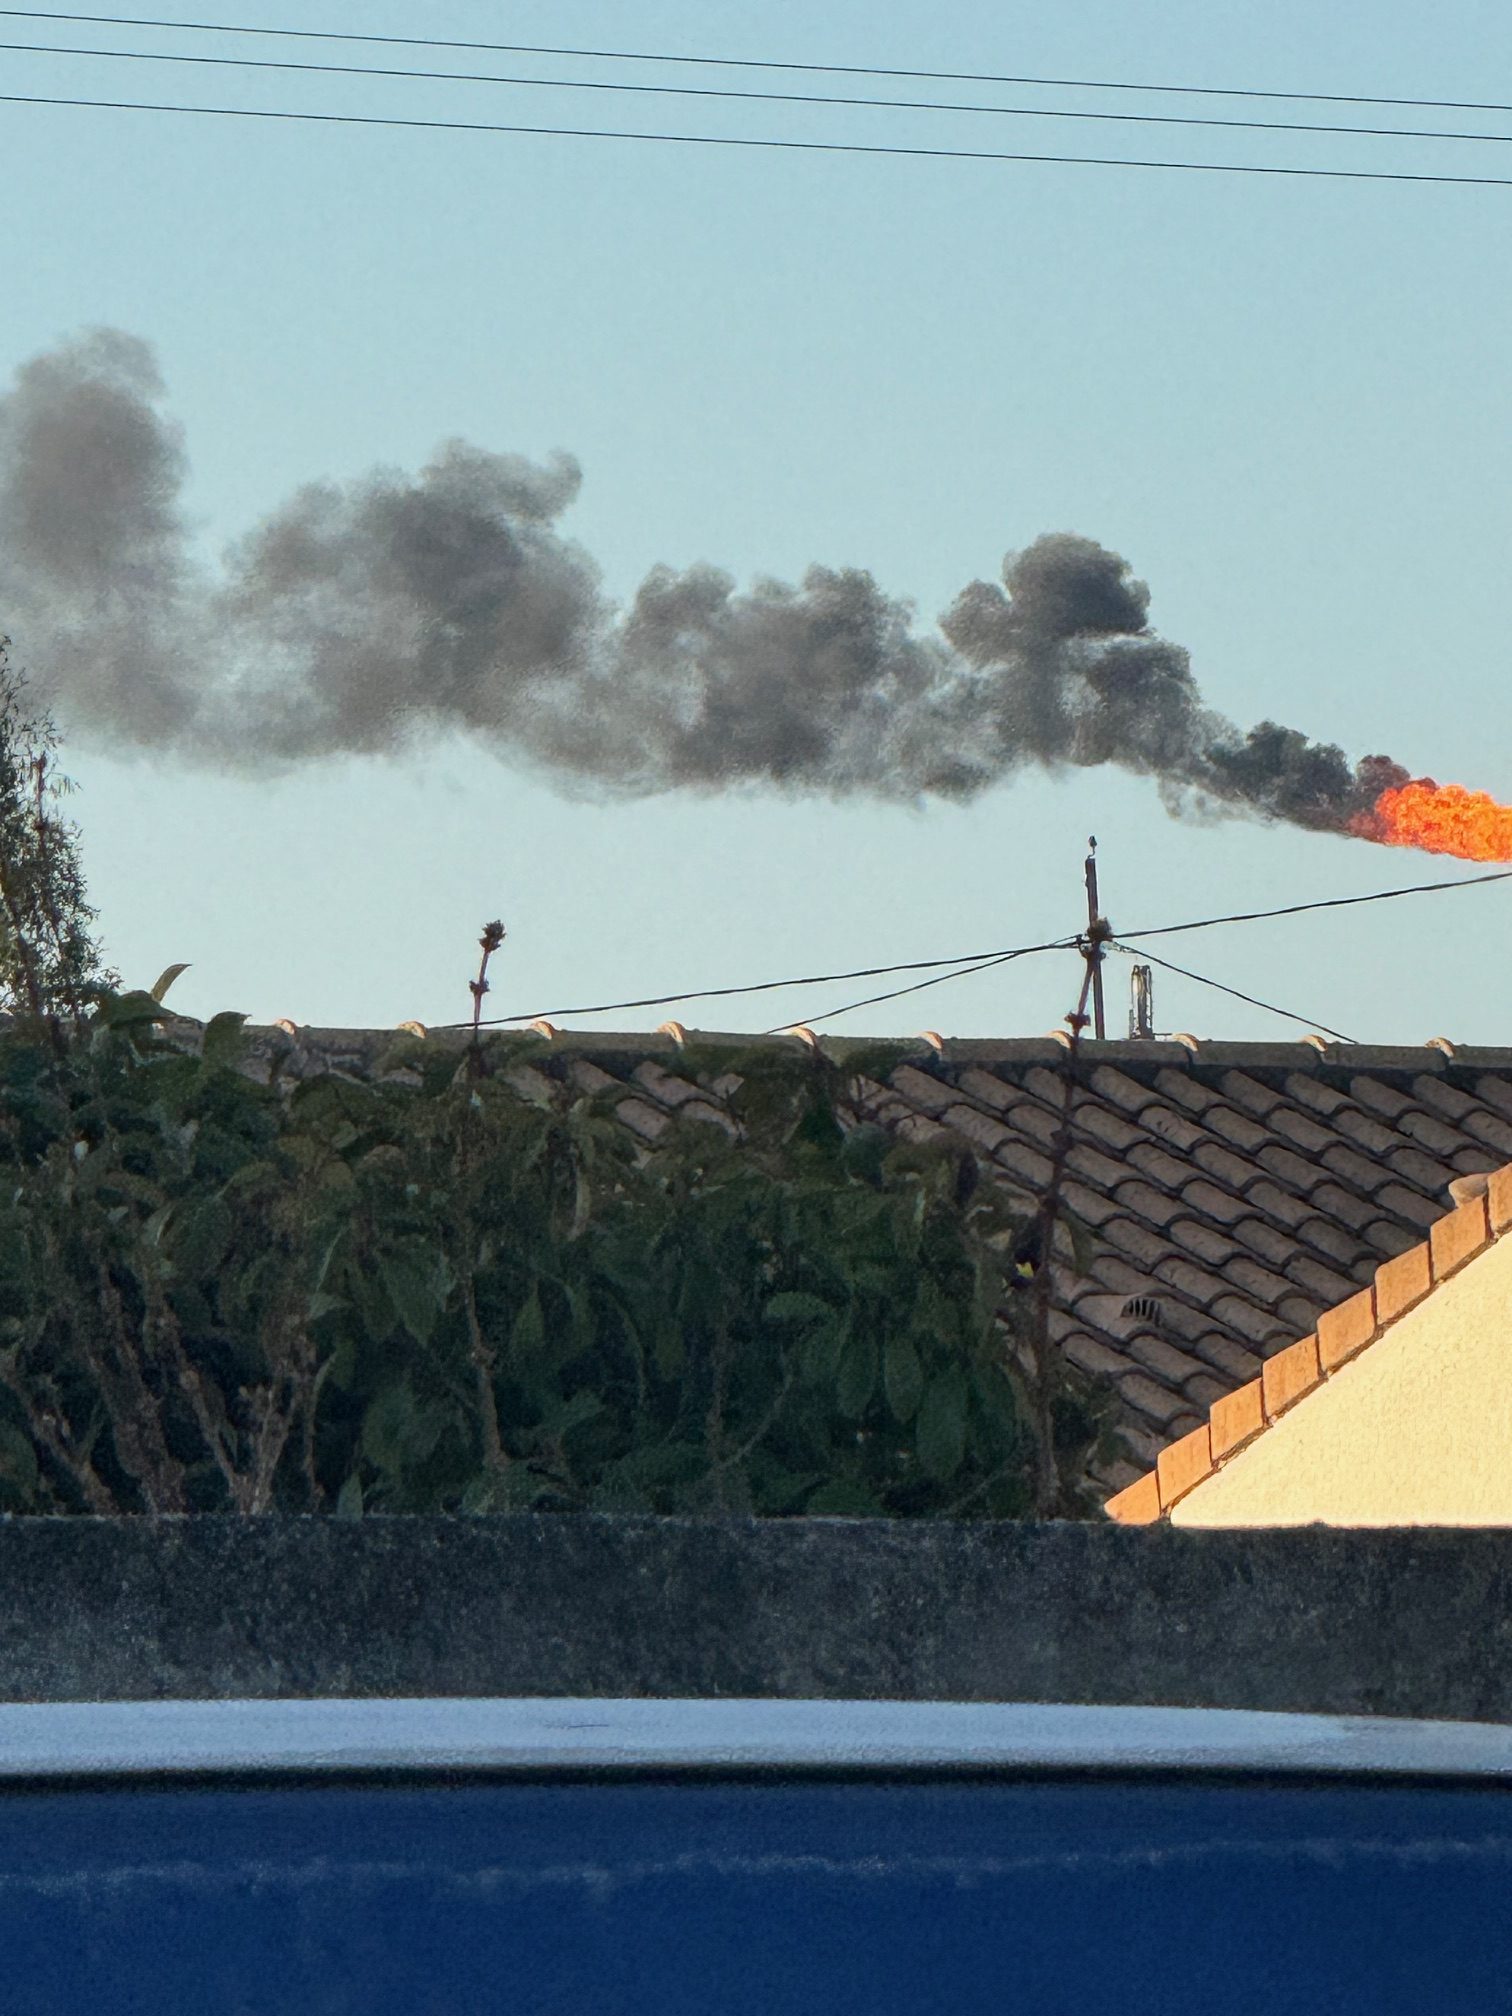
1142 1005
1094 941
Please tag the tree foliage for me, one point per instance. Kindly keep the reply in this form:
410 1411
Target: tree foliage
464 1284
50 964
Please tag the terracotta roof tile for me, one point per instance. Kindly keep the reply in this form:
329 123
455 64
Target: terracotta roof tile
1228 1167
1187 1320
1289 1375
1138 1504
588 1076
1171 1127
1387 1237
1209 1201
1499 1200
1300 1131
1024 1162
1366 1133
1346 1329
1205 1389
644 1119
1183 1465
1147 1396
1093 1207
1142 1439
1279 1204
1444 1099
1227 1357
1324 1284
1437 1136
1409 1204
1249 1093
1182 1090
1028 1117
1049 1087
1117 1476
1112 1271
1314 1235
988 1089
1341 1206
1202 1242
1194 1282
1258 1282
1494 1091
1127 1094
1159 1164
1401 1282
1158 1355
1387 1101
1236 1418
1144 1201
1108 1129
1458 1237
1243 1318
979 1128
922 1090
1090 1354
1350 1167
1236 1128
1296 1171
1296 1314
1493 1131
1138 1241
919 1127
1316 1095
1264 1239
1094 1167
663 1086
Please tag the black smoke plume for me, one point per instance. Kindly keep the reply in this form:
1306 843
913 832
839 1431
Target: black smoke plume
361 617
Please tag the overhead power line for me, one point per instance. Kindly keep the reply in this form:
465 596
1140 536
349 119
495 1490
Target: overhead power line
703 91
1322 903
757 63
769 145
937 980
1218 986
967 962
972 962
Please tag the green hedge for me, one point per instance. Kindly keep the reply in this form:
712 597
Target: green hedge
464 1285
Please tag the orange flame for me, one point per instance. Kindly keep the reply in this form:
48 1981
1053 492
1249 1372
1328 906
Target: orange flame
1441 819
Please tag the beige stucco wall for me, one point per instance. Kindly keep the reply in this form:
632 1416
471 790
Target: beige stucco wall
1416 1431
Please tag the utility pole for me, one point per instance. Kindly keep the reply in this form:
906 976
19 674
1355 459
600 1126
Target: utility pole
1097 931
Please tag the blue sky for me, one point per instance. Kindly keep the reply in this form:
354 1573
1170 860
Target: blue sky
1286 402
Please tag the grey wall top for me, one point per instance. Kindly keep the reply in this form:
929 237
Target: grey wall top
1415 1623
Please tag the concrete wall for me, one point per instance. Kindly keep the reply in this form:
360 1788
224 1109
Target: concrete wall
1415 1431
1404 1623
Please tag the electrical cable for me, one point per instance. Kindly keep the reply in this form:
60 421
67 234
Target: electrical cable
897 993
1321 903
774 146
968 962
965 962
748 97
1202 980
756 63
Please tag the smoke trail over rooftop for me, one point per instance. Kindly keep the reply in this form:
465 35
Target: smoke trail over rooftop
362 616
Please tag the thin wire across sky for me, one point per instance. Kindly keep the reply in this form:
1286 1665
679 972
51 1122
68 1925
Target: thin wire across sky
963 965
717 97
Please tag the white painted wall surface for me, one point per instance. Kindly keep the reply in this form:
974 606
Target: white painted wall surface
1416 1431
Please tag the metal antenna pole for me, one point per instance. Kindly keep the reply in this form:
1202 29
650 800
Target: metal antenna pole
1094 942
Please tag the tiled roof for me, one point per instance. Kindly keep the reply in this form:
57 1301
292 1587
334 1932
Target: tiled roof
1233 1191
1342 1333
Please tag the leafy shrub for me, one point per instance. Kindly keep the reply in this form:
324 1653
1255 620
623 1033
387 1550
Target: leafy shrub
465 1284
